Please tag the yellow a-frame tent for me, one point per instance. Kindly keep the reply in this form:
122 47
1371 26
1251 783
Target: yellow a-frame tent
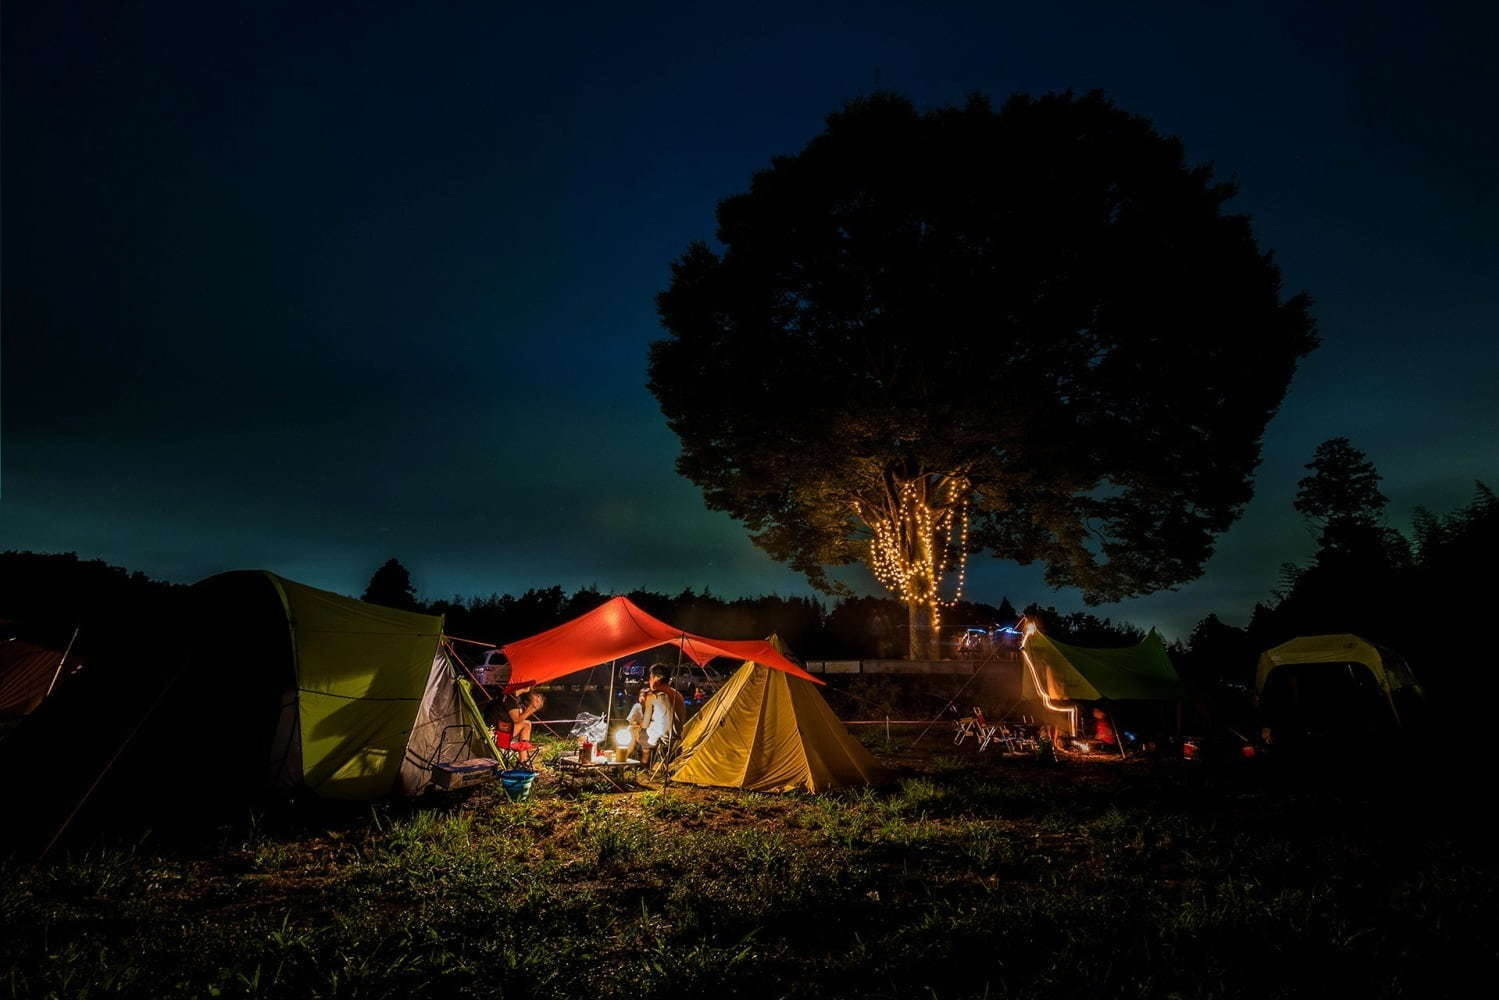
766 730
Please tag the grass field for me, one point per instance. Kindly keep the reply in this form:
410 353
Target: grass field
968 876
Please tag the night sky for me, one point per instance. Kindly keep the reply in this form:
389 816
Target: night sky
307 286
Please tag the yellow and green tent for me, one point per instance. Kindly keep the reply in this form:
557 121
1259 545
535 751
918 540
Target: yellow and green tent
368 695
770 731
1142 672
1391 676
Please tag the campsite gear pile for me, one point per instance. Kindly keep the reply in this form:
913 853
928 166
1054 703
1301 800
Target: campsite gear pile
1022 737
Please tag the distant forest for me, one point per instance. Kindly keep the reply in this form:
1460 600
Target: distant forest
1424 595
44 596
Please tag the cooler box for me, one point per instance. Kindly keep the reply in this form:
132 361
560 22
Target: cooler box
463 773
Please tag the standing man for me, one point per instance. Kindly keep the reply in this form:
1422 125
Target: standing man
666 709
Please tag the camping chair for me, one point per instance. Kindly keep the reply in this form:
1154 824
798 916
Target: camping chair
514 754
976 725
963 730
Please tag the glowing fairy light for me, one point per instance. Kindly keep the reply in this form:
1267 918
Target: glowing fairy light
919 540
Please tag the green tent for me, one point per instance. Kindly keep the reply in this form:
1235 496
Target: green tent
1336 683
1073 673
252 684
369 695
1065 675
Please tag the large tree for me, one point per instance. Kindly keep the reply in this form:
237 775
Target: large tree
391 586
1342 500
1033 331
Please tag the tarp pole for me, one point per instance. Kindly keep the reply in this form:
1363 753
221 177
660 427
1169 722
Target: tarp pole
609 701
1118 733
58 672
953 701
453 655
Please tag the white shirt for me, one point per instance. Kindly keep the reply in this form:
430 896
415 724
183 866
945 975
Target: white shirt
658 717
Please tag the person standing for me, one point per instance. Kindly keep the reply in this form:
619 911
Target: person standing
666 710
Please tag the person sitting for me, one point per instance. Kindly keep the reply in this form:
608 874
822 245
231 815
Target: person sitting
636 720
513 729
1104 737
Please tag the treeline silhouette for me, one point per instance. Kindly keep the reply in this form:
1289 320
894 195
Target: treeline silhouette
1425 594
43 597
1422 594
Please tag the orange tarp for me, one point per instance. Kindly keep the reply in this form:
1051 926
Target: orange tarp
618 628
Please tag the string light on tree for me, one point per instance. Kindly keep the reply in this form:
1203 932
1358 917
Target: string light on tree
919 537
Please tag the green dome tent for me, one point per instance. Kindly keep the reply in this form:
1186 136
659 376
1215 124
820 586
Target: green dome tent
1335 684
367 691
255 684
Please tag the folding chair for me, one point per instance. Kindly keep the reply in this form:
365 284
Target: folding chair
514 754
976 725
963 729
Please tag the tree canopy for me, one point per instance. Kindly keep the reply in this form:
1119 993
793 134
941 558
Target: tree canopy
1033 331
1343 485
391 587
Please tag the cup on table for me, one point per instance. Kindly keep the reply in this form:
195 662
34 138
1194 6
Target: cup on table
621 754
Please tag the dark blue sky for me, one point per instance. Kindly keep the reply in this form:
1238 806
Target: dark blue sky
307 286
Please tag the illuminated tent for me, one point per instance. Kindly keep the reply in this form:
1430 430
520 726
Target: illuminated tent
1073 673
263 686
619 628
1332 676
267 684
366 692
770 731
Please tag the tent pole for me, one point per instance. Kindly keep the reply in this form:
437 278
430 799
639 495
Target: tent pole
1118 733
453 656
129 738
58 672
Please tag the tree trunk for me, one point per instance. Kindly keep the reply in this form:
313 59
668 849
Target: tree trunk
923 640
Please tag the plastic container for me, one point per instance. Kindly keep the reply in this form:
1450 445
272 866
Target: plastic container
517 784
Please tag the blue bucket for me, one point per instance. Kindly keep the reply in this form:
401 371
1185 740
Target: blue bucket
517 784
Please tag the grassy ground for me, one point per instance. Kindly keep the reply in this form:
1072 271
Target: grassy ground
968 876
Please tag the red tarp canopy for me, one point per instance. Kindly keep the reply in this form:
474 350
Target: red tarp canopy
618 628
